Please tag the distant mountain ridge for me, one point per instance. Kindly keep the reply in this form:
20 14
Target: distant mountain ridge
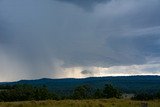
128 84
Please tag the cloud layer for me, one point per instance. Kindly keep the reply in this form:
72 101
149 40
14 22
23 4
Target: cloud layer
58 38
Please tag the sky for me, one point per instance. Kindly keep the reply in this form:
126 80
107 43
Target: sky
78 38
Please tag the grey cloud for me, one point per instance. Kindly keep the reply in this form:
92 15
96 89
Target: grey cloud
87 72
41 33
85 4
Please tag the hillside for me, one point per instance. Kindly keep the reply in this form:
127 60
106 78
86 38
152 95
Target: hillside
128 84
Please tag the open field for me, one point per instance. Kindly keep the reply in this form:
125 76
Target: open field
81 103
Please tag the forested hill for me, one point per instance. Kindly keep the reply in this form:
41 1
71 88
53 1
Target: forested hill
128 84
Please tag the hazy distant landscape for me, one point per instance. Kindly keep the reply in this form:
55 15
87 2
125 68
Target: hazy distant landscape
128 91
128 84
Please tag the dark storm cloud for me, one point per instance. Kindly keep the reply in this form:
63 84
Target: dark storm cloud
85 4
3 36
86 72
133 49
40 37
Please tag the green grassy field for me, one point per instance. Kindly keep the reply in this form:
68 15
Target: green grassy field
81 103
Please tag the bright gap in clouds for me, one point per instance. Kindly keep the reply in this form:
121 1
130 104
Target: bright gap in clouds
83 72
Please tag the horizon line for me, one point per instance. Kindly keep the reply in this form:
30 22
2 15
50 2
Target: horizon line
80 77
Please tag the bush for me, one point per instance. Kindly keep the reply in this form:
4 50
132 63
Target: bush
111 92
82 92
143 97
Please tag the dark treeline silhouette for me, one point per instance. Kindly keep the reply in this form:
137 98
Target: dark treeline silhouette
86 92
24 92
146 96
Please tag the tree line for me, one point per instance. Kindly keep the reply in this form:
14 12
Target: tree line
25 92
86 92
143 96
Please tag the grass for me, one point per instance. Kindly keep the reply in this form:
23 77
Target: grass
81 103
